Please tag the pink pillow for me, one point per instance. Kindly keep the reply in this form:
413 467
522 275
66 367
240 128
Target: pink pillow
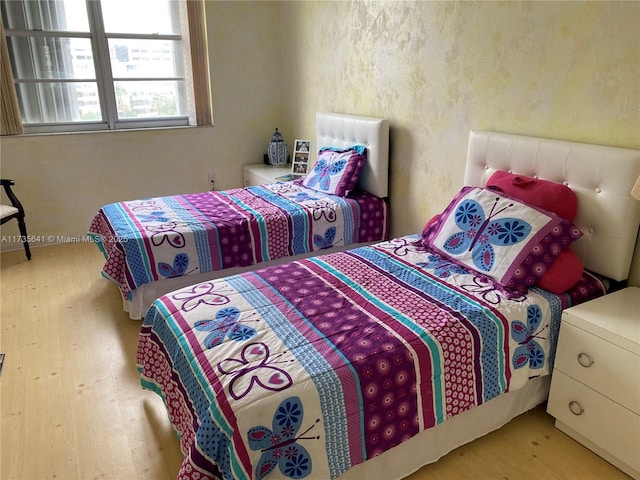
563 274
551 196
567 269
433 219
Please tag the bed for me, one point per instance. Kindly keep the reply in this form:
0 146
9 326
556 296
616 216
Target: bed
155 245
372 362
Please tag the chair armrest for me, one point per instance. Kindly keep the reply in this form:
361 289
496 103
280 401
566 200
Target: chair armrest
6 183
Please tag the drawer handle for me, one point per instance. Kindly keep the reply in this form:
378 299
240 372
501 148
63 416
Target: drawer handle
584 360
576 408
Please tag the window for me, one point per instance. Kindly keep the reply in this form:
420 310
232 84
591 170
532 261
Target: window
100 64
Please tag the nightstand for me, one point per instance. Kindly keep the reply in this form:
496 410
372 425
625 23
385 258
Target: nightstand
261 173
595 386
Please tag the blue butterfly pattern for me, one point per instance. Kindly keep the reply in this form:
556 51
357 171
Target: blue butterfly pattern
225 325
159 216
326 241
179 267
323 171
478 234
279 445
441 267
303 196
529 352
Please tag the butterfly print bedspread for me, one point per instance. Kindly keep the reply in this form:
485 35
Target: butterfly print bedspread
148 240
314 366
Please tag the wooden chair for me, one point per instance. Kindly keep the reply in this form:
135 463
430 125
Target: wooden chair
15 210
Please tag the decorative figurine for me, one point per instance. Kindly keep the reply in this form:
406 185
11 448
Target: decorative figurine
277 151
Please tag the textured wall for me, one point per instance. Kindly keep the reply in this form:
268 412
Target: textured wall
567 70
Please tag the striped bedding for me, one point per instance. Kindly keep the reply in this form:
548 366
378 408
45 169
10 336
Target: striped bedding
148 240
311 367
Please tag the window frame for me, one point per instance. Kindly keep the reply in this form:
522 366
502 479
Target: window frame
104 80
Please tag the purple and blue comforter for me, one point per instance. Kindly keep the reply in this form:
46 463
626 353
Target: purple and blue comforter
151 239
314 366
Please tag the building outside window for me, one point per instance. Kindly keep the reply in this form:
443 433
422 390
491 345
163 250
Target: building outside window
100 64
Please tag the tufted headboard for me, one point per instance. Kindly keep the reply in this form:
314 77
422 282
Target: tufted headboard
341 130
601 177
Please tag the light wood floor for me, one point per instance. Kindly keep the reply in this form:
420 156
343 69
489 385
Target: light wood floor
72 407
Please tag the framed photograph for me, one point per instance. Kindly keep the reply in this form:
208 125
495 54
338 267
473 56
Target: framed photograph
300 163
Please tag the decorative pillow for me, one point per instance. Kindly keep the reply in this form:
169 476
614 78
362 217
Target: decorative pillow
551 196
432 220
499 236
563 274
337 170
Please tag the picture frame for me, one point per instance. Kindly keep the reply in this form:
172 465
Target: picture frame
300 162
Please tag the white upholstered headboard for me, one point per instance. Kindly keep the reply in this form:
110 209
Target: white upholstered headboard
341 130
601 176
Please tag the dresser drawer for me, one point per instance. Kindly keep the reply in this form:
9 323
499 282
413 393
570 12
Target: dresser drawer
603 422
615 372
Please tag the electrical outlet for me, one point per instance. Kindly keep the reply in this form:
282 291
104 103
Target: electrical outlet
212 181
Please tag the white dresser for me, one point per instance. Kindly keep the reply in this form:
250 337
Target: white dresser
261 173
595 387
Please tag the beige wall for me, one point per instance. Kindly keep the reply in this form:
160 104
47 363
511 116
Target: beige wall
567 70
63 180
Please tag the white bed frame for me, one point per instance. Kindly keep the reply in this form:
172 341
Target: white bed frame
602 178
332 129
340 130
